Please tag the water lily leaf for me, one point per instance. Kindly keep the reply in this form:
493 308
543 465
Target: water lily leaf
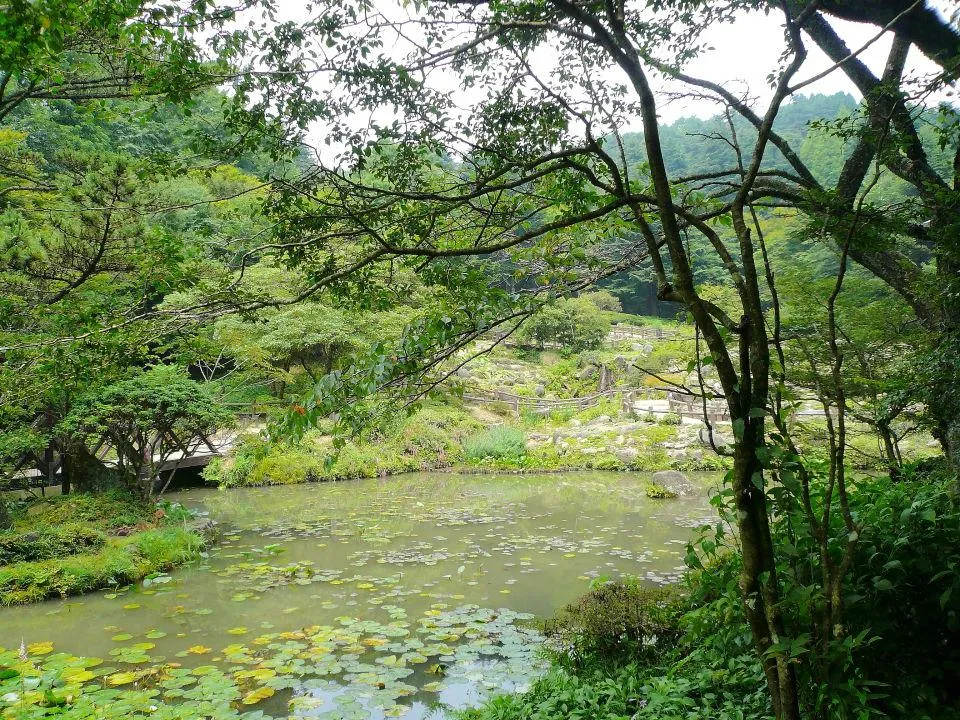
252 698
40 648
121 678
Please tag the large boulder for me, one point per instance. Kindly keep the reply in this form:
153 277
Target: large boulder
674 481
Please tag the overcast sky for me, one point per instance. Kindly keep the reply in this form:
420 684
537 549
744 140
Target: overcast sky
747 51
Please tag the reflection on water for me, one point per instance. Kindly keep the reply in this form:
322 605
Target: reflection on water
373 598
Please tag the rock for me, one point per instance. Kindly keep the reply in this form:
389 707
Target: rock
621 362
599 420
620 440
203 526
647 349
575 423
676 482
587 373
590 451
626 455
539 391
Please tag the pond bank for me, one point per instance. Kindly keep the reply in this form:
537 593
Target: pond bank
455 438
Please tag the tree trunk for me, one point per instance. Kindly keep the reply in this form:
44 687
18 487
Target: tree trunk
6 522
758 579
81 471
889 447
66 481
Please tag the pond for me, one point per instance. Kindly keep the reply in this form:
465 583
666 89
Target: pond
402 596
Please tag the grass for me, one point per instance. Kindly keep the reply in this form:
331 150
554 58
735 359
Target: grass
500 442
70 545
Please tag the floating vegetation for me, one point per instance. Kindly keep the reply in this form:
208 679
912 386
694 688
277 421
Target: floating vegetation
353 666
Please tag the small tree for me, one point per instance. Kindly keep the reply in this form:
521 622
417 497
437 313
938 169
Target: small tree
603 300
146 420
576 324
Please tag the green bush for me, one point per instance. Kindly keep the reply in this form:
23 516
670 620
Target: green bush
626 651
615 622
49 543
603 300
905 589
105 511
426 440
500 442
167 547
285 466
604 406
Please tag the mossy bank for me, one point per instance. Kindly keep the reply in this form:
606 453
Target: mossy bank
74 544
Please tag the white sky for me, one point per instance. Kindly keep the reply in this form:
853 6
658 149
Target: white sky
744 54
747 51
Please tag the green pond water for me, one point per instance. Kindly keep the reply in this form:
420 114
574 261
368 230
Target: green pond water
404 596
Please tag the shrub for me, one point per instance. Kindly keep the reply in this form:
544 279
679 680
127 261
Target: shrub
617 621
49 543
501 408
500 442
605 406
105 511
285 466
166 548
905 588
